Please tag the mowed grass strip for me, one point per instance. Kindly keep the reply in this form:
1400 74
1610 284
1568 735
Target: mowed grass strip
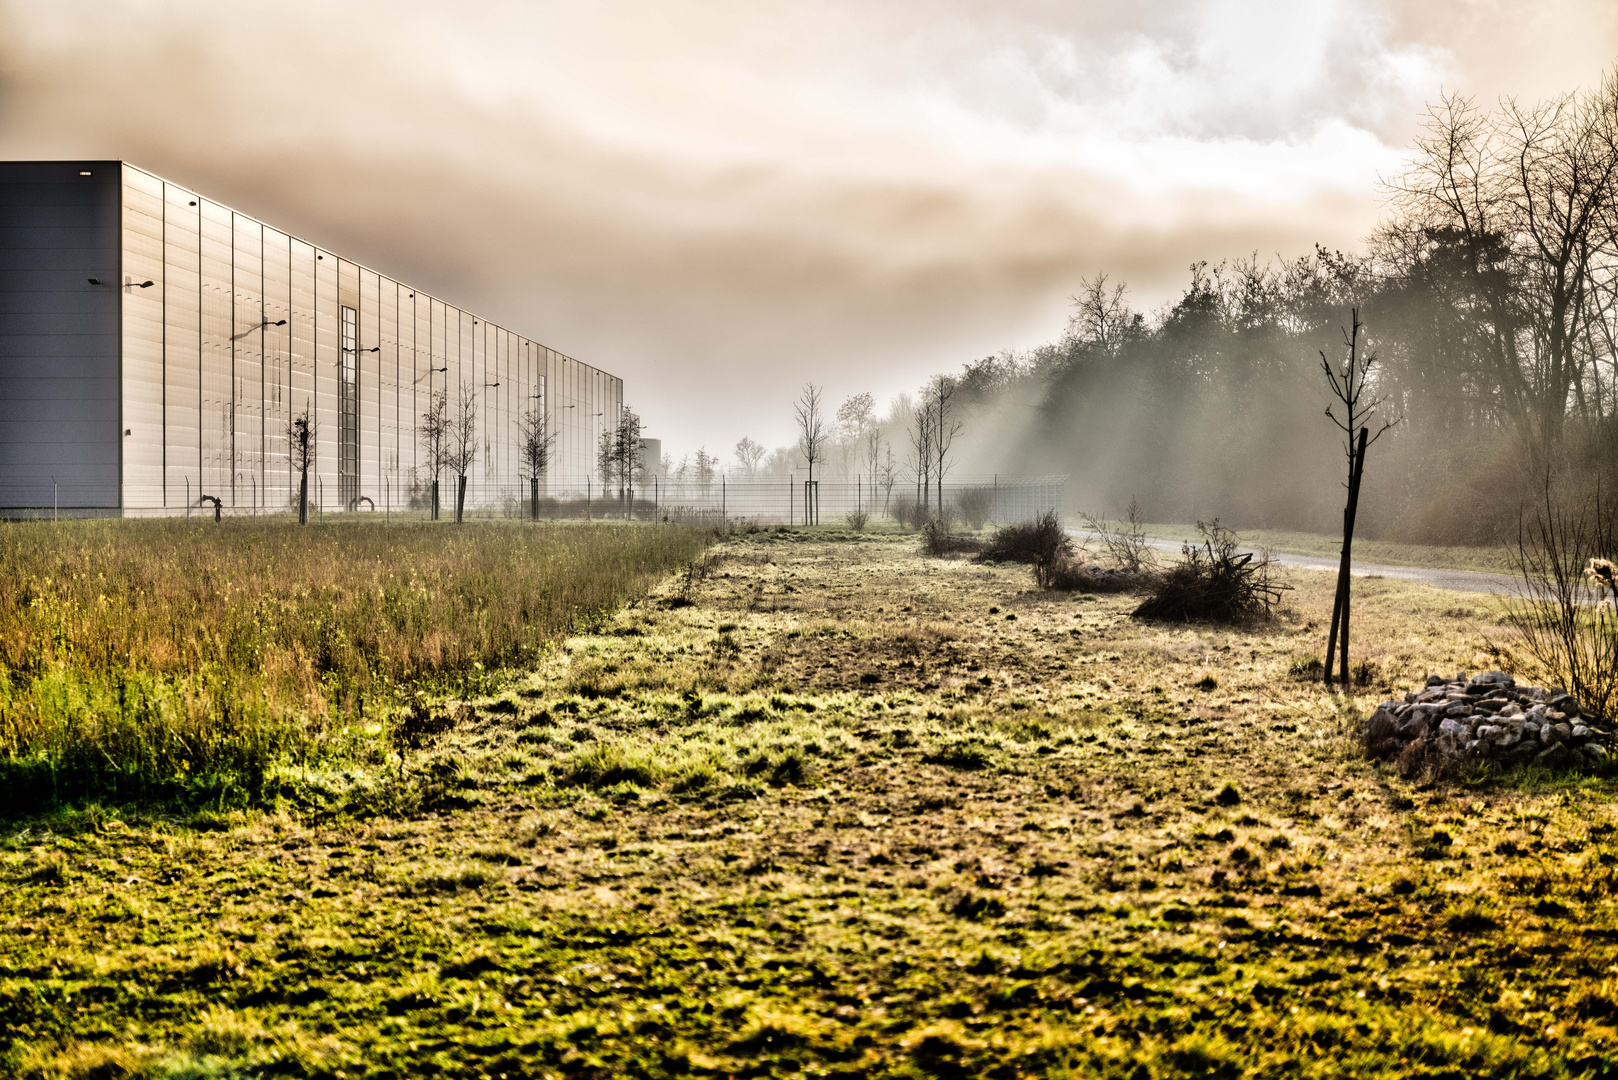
141 657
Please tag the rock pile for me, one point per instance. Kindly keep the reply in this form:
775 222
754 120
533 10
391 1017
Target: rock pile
1486 717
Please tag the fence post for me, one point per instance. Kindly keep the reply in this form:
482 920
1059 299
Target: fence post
587 481
724 499
656 492
791 480
55 502
254 478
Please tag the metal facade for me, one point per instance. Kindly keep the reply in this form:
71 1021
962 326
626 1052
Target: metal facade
124 397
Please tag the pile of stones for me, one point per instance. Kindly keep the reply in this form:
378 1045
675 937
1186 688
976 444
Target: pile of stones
1486 717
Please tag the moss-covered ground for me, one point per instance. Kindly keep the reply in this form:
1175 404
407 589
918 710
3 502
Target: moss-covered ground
823 807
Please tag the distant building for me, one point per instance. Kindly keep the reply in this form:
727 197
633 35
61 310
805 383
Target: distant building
155 346
651 456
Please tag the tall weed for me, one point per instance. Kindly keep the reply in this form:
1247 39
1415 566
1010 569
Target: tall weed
142 657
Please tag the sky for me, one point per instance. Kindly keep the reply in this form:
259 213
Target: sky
722 200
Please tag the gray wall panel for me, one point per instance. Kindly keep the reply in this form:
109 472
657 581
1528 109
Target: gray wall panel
57 230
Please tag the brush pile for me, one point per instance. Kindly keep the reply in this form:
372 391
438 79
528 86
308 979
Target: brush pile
1213 582
1485 718
1042 542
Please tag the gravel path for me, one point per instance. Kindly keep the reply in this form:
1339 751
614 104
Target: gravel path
1455 580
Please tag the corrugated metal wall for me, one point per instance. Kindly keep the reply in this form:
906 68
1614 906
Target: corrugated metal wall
242 331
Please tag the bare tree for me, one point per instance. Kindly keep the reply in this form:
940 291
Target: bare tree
607 458
463 444
920 430
434 433
749 453
1352 412
1521 203
537 441
301 441
888 474
938 400
627 456
811 439
1101 319
855 417
704 466
872 450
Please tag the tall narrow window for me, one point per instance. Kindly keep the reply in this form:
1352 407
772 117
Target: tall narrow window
348 403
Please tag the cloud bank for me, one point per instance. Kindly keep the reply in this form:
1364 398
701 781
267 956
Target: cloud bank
721 200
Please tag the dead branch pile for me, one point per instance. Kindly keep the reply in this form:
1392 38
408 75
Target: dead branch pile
1213 582
1078 574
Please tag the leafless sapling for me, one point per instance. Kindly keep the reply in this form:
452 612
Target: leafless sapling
811 440
1353 413
946 426
537 441
920 431
301 440
627 456
434 432
463 444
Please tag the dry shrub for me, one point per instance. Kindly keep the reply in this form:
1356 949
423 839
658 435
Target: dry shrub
938 541
1213 582
1563 631
975 505
858 519
1042 542
1125 541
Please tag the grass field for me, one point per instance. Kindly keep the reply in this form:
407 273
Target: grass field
1491 560
184 657
822 807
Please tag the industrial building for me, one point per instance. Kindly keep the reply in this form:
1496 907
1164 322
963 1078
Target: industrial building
156 346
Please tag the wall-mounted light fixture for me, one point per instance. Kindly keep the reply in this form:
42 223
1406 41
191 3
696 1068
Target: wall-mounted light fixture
139 284
84 172
193 202
278 322
95 281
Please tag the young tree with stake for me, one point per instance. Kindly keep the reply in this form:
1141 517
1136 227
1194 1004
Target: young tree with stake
945 427
1348 385
537 440
301 438
811 440
434 434
463 444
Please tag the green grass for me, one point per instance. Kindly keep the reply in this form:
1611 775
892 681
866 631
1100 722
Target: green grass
1493 560
693 840
155 657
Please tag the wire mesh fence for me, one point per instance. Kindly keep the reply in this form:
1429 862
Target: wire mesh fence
767 500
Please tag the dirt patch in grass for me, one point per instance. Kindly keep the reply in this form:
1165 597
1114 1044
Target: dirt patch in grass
1065 843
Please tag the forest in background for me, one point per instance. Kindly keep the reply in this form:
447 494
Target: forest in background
1489 293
